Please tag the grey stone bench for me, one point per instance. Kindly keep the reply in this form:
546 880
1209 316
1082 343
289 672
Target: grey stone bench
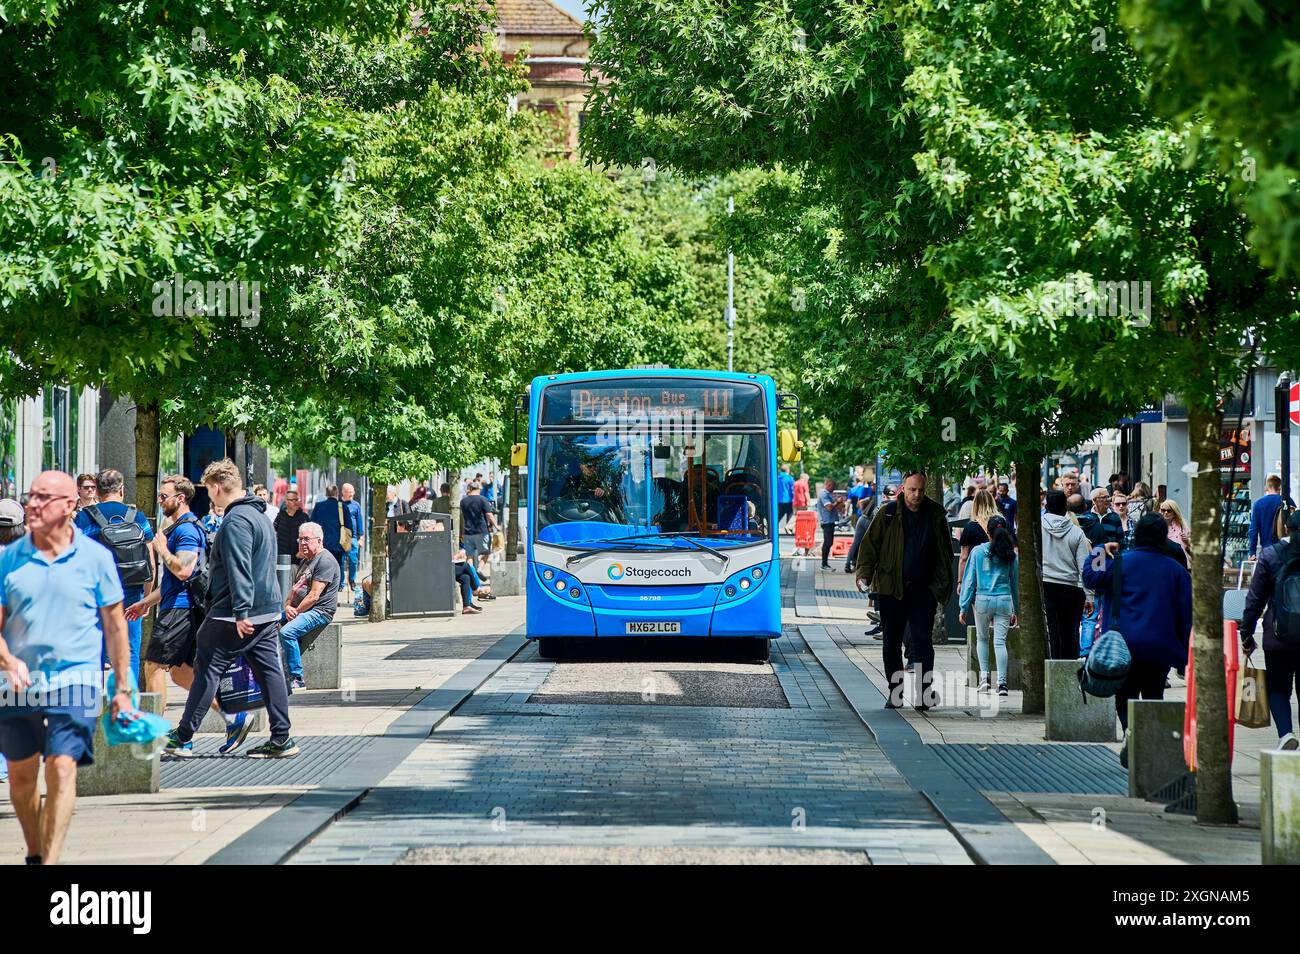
118 770
1071 717
1155 745
322 656
1279 807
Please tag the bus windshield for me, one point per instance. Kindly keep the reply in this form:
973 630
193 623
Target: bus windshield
594 488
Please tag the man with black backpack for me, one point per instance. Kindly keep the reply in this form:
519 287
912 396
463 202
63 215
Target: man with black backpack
181 596
126 532
1275 595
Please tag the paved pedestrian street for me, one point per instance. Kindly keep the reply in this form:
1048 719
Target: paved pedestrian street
514 768
453 742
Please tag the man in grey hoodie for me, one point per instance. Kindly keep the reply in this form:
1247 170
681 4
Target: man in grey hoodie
243 616
1065 553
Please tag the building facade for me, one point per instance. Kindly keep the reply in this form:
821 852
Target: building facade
555 51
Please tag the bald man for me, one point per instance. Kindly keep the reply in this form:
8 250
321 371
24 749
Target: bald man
57 589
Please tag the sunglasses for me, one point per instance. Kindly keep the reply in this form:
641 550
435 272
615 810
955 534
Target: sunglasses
38 499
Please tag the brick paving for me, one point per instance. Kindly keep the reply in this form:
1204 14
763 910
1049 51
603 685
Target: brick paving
730 762
506 772
1065 810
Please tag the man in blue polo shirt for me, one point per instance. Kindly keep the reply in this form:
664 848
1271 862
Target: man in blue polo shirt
112 508
57 590
784 499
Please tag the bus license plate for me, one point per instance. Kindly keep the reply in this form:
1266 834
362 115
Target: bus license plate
658 627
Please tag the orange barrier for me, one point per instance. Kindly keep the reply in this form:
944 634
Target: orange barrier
841 546
805 530
1231 662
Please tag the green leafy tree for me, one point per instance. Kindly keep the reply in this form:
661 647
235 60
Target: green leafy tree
816 94
1231 71
1044 141
159 140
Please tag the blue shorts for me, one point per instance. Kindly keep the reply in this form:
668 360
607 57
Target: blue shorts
61 730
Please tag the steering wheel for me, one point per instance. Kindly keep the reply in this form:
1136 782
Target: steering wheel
579 509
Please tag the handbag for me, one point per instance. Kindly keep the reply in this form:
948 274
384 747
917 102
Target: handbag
345 532
1252 697
1234 601
238 690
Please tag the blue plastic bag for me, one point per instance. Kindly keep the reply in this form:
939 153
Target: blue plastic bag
146 732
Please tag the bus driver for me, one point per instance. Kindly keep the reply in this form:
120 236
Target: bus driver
588 483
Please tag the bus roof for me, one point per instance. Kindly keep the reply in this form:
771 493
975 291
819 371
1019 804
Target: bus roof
762 380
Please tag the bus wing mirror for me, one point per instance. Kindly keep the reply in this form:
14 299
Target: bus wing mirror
789 447
518 455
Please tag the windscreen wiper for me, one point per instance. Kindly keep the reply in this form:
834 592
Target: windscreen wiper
579 557
649 537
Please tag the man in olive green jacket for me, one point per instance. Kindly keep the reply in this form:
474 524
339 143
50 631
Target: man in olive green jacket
906 560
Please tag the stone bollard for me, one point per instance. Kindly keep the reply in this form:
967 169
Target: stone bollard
214 723
322 657
1155 745
508 578
1015 667
1279 807
117 769
1071 718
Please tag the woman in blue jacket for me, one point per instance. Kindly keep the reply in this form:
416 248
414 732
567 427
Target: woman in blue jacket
990 587
1154 612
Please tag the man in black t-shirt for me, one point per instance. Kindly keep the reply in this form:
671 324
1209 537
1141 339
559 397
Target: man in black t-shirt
477 522
287 524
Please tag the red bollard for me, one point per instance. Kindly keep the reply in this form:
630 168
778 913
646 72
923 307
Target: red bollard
1231 663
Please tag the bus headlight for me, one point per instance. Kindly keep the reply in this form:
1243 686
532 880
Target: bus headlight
548 575
575 592
730 591
559 585
757 572
744 582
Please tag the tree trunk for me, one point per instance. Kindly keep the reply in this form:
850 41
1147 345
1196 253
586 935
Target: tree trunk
378 551
147 443
1033 622
1214 802
453 480
512 527
934 490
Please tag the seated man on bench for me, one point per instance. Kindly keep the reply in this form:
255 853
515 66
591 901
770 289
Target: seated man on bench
312 600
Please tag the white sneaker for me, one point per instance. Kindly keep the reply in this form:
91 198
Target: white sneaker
1288 743
985 685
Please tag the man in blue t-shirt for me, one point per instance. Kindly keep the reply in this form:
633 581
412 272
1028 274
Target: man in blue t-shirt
1263 515
112 507
60 601
784 499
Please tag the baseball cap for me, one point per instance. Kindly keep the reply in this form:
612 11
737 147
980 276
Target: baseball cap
11 514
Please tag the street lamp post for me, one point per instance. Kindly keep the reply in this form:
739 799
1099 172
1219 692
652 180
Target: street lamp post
1282 424
731 294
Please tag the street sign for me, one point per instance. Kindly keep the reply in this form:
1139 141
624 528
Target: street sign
1295 404
1148 414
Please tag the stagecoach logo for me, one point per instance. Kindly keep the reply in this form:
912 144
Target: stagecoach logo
619 571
